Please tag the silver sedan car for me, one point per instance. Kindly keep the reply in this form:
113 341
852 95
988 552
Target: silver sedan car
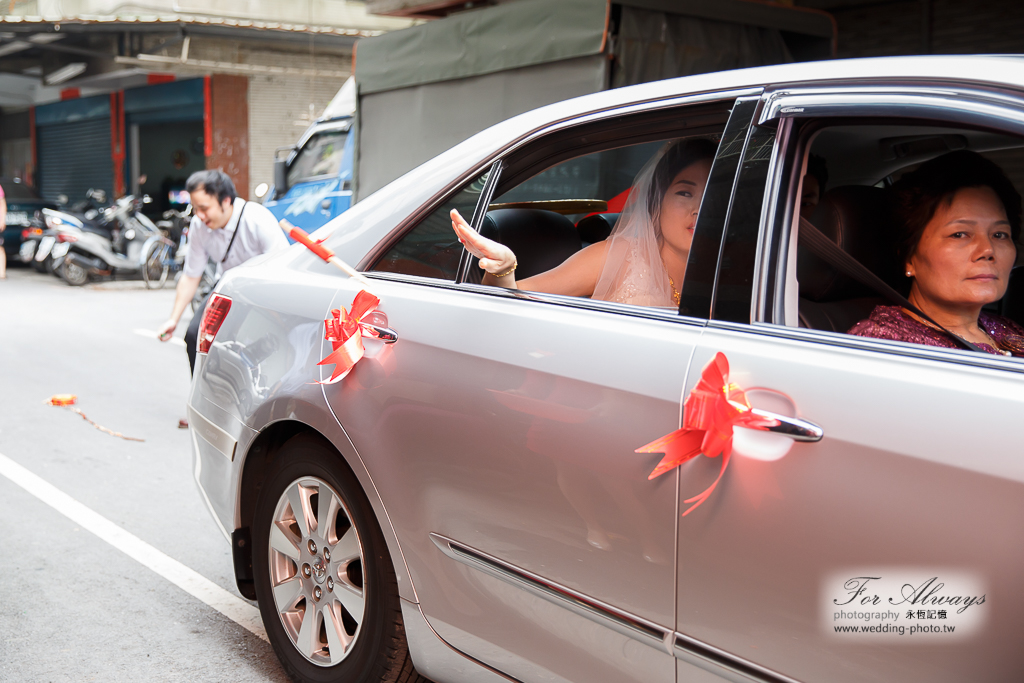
473 501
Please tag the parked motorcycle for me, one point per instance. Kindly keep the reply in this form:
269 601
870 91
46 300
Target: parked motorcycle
122 254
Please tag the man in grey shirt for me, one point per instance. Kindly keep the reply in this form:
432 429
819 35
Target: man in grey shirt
225 229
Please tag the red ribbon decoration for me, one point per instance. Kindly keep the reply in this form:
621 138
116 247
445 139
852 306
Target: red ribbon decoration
345 331
710 412
317 247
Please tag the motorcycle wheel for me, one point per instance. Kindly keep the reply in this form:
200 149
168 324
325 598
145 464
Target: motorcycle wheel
74 274
154 270
39 266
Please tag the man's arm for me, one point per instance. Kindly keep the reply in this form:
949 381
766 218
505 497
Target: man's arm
184 292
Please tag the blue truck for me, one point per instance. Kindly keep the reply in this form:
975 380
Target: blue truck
313 180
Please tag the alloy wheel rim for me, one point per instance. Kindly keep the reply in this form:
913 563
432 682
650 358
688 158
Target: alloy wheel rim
316 571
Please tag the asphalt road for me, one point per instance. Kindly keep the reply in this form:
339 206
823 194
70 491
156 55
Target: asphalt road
74 605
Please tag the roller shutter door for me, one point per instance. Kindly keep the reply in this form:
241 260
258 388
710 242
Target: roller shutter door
74 157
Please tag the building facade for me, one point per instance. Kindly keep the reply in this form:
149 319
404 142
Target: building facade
98 93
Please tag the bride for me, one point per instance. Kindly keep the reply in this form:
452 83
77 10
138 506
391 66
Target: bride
644 259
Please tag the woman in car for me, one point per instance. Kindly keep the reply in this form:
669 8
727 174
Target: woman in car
959 219
644 259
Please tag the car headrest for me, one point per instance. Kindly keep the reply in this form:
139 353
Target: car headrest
596 227
859 219
540 239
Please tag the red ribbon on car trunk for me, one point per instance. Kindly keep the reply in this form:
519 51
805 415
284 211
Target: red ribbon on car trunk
710 412
345 330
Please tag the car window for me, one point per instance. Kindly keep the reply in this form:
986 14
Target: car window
431 249
850 191
320 156
614 224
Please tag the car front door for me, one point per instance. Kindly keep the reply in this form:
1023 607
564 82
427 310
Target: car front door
891 549
502 429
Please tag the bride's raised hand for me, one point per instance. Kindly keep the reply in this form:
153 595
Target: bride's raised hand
495 258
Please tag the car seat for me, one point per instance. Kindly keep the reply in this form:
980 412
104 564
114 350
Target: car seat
596 227
860 221
540 239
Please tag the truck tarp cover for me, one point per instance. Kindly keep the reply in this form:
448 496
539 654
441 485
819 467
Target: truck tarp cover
426 88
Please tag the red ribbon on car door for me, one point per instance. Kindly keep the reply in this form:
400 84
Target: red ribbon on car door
345 330
710 412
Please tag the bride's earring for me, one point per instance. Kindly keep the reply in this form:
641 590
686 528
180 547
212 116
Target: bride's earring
908 274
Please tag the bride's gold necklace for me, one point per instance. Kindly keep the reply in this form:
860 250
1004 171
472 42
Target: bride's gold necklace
676 296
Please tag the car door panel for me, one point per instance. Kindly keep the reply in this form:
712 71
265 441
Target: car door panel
509 426
918 471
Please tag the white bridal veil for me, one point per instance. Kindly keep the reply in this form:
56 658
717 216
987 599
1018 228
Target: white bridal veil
633 271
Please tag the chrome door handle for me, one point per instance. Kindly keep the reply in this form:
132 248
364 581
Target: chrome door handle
793 427
385 334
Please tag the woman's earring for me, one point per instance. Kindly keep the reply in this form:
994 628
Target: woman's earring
909 274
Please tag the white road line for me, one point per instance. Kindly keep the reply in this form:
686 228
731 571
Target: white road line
152 335
190 581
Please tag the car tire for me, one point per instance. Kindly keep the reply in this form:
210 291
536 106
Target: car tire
74 274
292 572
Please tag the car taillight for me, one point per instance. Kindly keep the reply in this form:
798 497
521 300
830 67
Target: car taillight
213 317
65 237
28 232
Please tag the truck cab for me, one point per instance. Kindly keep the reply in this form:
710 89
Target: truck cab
313 181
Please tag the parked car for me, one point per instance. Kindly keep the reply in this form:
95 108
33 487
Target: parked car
469 500
22 204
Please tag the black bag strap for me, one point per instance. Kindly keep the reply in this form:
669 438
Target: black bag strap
238 229
830 252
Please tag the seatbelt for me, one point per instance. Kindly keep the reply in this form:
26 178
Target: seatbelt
830 252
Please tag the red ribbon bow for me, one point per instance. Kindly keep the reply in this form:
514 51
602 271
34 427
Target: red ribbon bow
345 331
710 412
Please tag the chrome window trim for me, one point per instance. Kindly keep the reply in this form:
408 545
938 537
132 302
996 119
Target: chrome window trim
542 297
769 211
874 345
954 106
654 104
661 638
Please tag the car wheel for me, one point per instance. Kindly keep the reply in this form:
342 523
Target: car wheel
74 274
324 580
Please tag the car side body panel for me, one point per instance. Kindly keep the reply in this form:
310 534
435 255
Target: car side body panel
261 374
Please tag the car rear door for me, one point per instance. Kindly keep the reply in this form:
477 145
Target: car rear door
891 549
501 430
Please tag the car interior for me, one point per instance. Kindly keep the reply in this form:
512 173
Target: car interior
558 197
565 208
862 162
553 197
